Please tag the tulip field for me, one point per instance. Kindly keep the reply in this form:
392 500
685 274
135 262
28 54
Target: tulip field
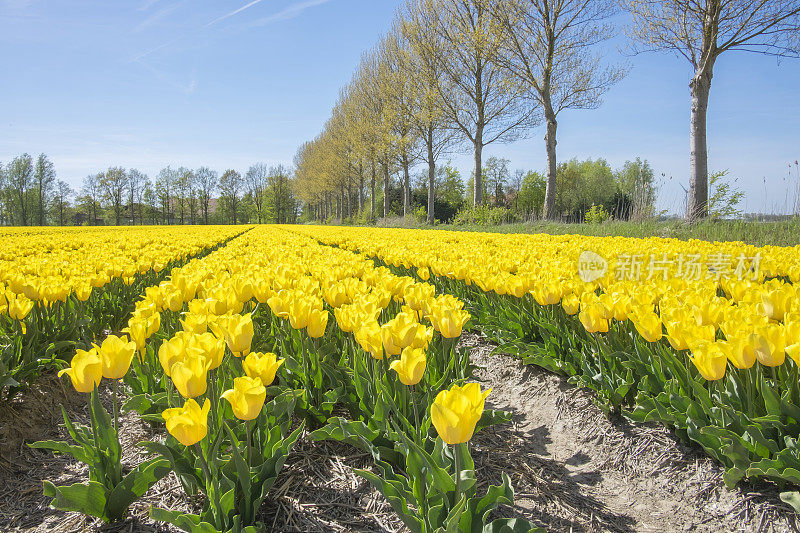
235 343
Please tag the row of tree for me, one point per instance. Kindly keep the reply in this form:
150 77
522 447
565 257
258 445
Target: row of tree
456 73
31 194
626 193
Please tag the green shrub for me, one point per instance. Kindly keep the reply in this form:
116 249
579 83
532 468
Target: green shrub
597 214
483 215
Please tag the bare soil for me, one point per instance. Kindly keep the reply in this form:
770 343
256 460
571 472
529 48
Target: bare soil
573 468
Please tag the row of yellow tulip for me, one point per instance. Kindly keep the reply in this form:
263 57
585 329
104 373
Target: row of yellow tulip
704 337
748 294
62 287
56 262
258 297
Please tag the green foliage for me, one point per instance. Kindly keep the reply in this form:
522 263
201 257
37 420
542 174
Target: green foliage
723 198
597 214
108 494
483 215
530 198
636 180
428 498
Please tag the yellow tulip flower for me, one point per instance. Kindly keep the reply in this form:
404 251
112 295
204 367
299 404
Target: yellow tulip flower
190 376
317 323
19 307
592 318
710 360
116 354
263 366
238 333
279 305
449 322
423 273
739 351
571 304
455 412
769 344
209 346
370 338
85 371
411 365
246 397
170 352
188 424
137 331
648 324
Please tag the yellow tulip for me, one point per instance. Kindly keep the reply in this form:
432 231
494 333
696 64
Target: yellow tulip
83 292
137 331
239 334
739 351
195 323
648 324
411 366
246 397
263 366
170 352
769 344
190 376
188 424
279 304
709 359
116 354
449 322
547 294
571 304
85 371
776 303
209 346
389 347
455 412
369 336
19 307
592 318
317 323
299 310
174 301
423 273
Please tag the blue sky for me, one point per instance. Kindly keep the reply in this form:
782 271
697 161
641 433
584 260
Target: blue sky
227 83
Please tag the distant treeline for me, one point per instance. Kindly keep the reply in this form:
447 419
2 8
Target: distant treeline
31 194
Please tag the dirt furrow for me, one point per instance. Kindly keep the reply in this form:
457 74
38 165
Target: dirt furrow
577 470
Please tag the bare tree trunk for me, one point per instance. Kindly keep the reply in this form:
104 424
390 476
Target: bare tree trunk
431 175
385 188
406 186
552 165
697 207
477 193
372 190
360 186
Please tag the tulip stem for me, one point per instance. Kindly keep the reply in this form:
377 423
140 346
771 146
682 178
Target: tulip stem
116 410
249 429
209 483
416 415
457 454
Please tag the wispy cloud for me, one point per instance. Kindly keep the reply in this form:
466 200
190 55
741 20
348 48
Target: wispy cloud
290 12
158 16
232 13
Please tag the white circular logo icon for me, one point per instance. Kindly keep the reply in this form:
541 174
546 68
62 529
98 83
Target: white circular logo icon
591 266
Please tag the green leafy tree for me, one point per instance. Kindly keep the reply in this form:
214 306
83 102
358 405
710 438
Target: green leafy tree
530 198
